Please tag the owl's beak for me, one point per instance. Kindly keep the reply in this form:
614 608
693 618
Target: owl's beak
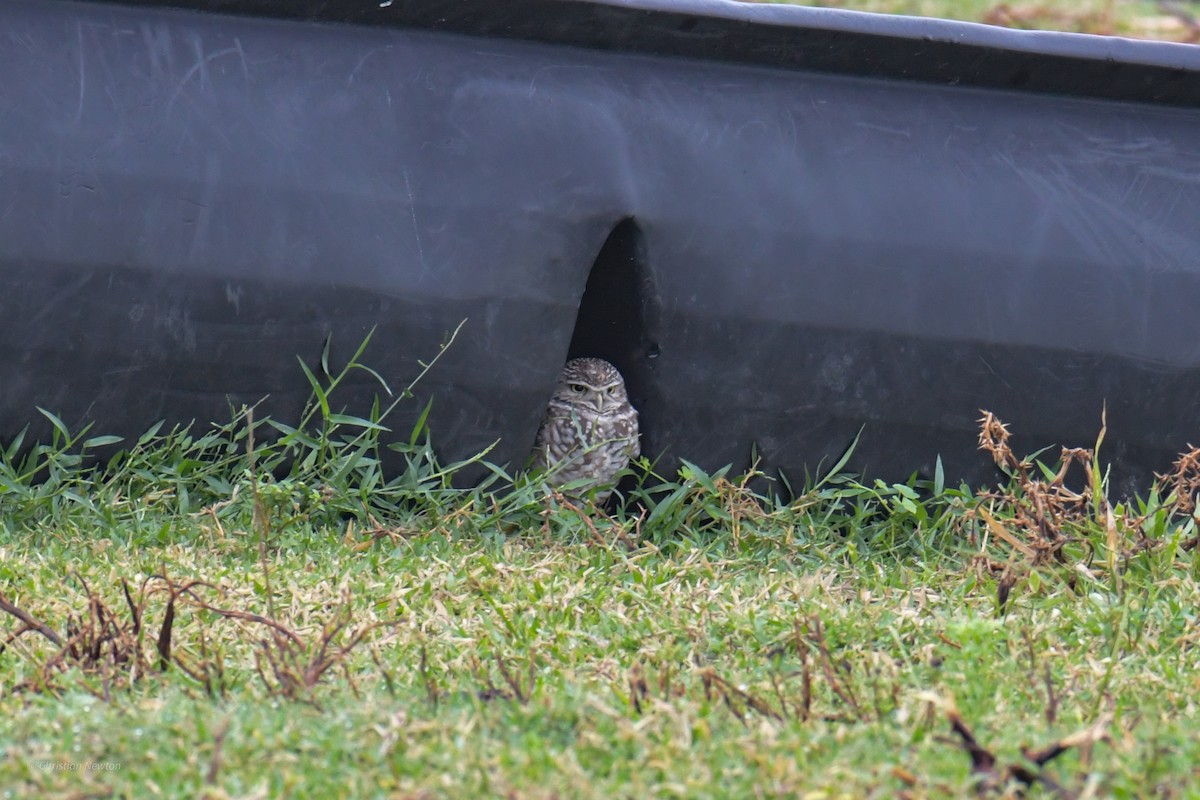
600 404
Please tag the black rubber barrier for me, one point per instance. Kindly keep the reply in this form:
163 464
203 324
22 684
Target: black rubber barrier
782 224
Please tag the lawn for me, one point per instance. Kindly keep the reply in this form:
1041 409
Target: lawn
205 616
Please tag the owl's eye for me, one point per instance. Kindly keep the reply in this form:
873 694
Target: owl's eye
578 388
612 390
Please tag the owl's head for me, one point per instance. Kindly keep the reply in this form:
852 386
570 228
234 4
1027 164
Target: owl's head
591 383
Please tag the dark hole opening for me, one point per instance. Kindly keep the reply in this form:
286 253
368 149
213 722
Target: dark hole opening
618 320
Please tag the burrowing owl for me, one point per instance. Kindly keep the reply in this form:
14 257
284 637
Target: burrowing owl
590 430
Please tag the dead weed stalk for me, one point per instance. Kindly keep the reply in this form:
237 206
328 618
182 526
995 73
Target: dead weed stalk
1014 779
291 666
1038 504
785 701
102 643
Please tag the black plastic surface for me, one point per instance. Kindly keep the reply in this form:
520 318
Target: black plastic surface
787 224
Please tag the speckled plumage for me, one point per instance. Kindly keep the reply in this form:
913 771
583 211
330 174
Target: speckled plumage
590 429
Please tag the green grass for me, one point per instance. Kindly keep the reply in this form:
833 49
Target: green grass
706 640
1136 18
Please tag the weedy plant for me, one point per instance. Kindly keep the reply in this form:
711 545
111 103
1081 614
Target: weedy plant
328 463
1044 516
